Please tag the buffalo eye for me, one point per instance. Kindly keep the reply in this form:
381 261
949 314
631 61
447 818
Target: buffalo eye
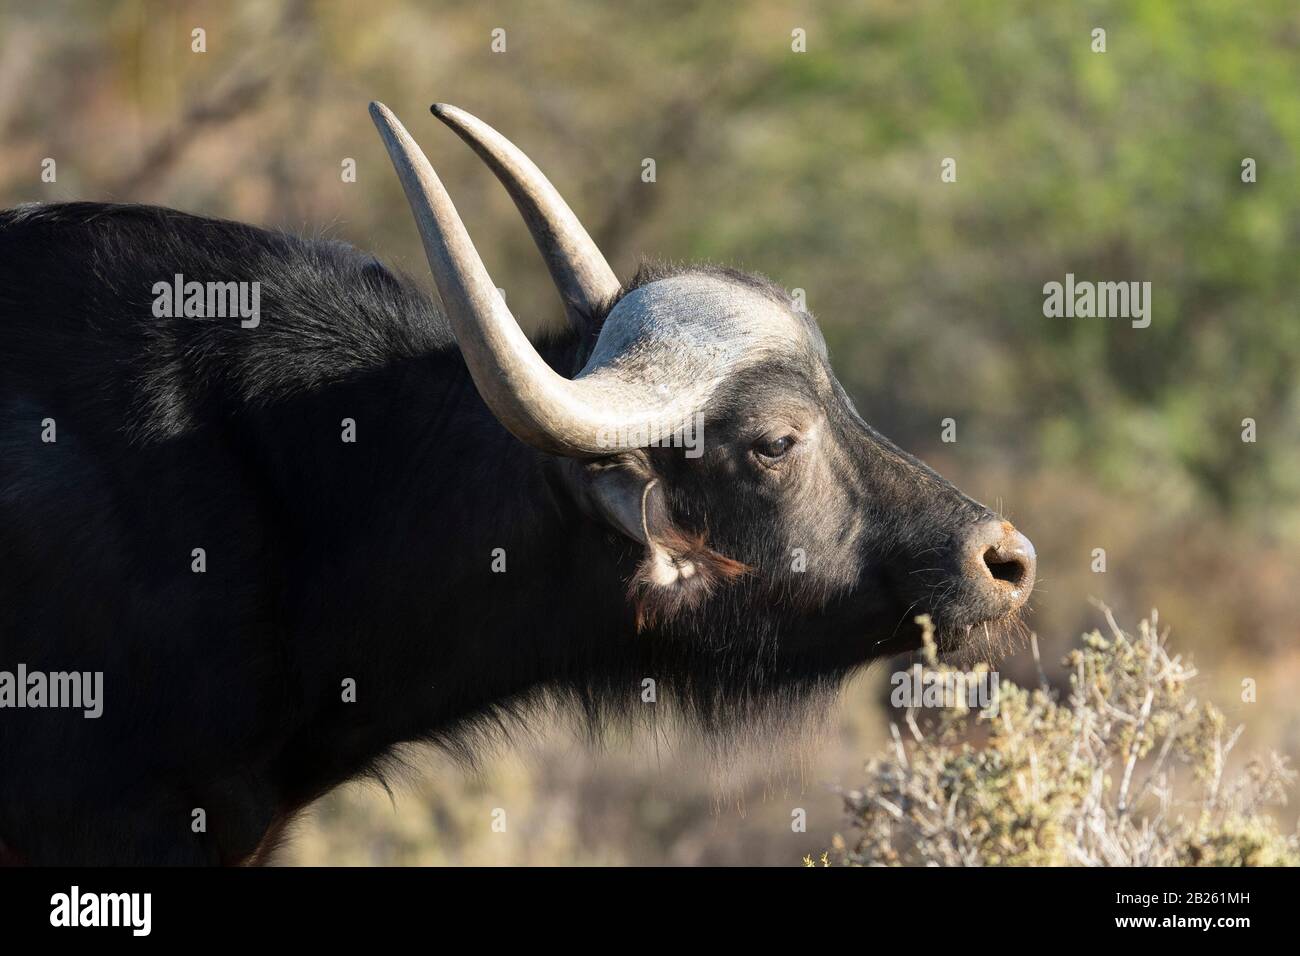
772 449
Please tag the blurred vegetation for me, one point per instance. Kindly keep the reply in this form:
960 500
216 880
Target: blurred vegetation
821 169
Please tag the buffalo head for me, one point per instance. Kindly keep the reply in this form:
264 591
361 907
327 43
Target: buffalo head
706 426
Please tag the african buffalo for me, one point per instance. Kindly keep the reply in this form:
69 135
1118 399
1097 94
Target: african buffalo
334 517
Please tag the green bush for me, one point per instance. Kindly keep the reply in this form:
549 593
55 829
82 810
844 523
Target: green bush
1130 770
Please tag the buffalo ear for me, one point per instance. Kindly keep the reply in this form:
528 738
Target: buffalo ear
679 569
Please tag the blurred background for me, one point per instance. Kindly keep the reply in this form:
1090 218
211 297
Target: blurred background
821 169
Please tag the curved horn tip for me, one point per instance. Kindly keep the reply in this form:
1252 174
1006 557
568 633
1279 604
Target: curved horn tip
453 116
378 111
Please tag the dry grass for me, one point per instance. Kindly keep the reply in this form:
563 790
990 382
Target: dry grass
1130 770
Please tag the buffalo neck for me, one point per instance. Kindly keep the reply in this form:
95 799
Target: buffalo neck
435 521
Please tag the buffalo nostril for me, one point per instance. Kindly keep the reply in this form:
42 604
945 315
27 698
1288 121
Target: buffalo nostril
1002 564
1012 569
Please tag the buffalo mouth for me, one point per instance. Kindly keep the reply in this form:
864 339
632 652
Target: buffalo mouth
961 633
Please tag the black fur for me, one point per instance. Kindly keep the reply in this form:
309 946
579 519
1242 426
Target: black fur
370 561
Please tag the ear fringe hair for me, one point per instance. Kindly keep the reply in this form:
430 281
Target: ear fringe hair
659 604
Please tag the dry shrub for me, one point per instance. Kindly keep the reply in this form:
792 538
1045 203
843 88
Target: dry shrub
1130 770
